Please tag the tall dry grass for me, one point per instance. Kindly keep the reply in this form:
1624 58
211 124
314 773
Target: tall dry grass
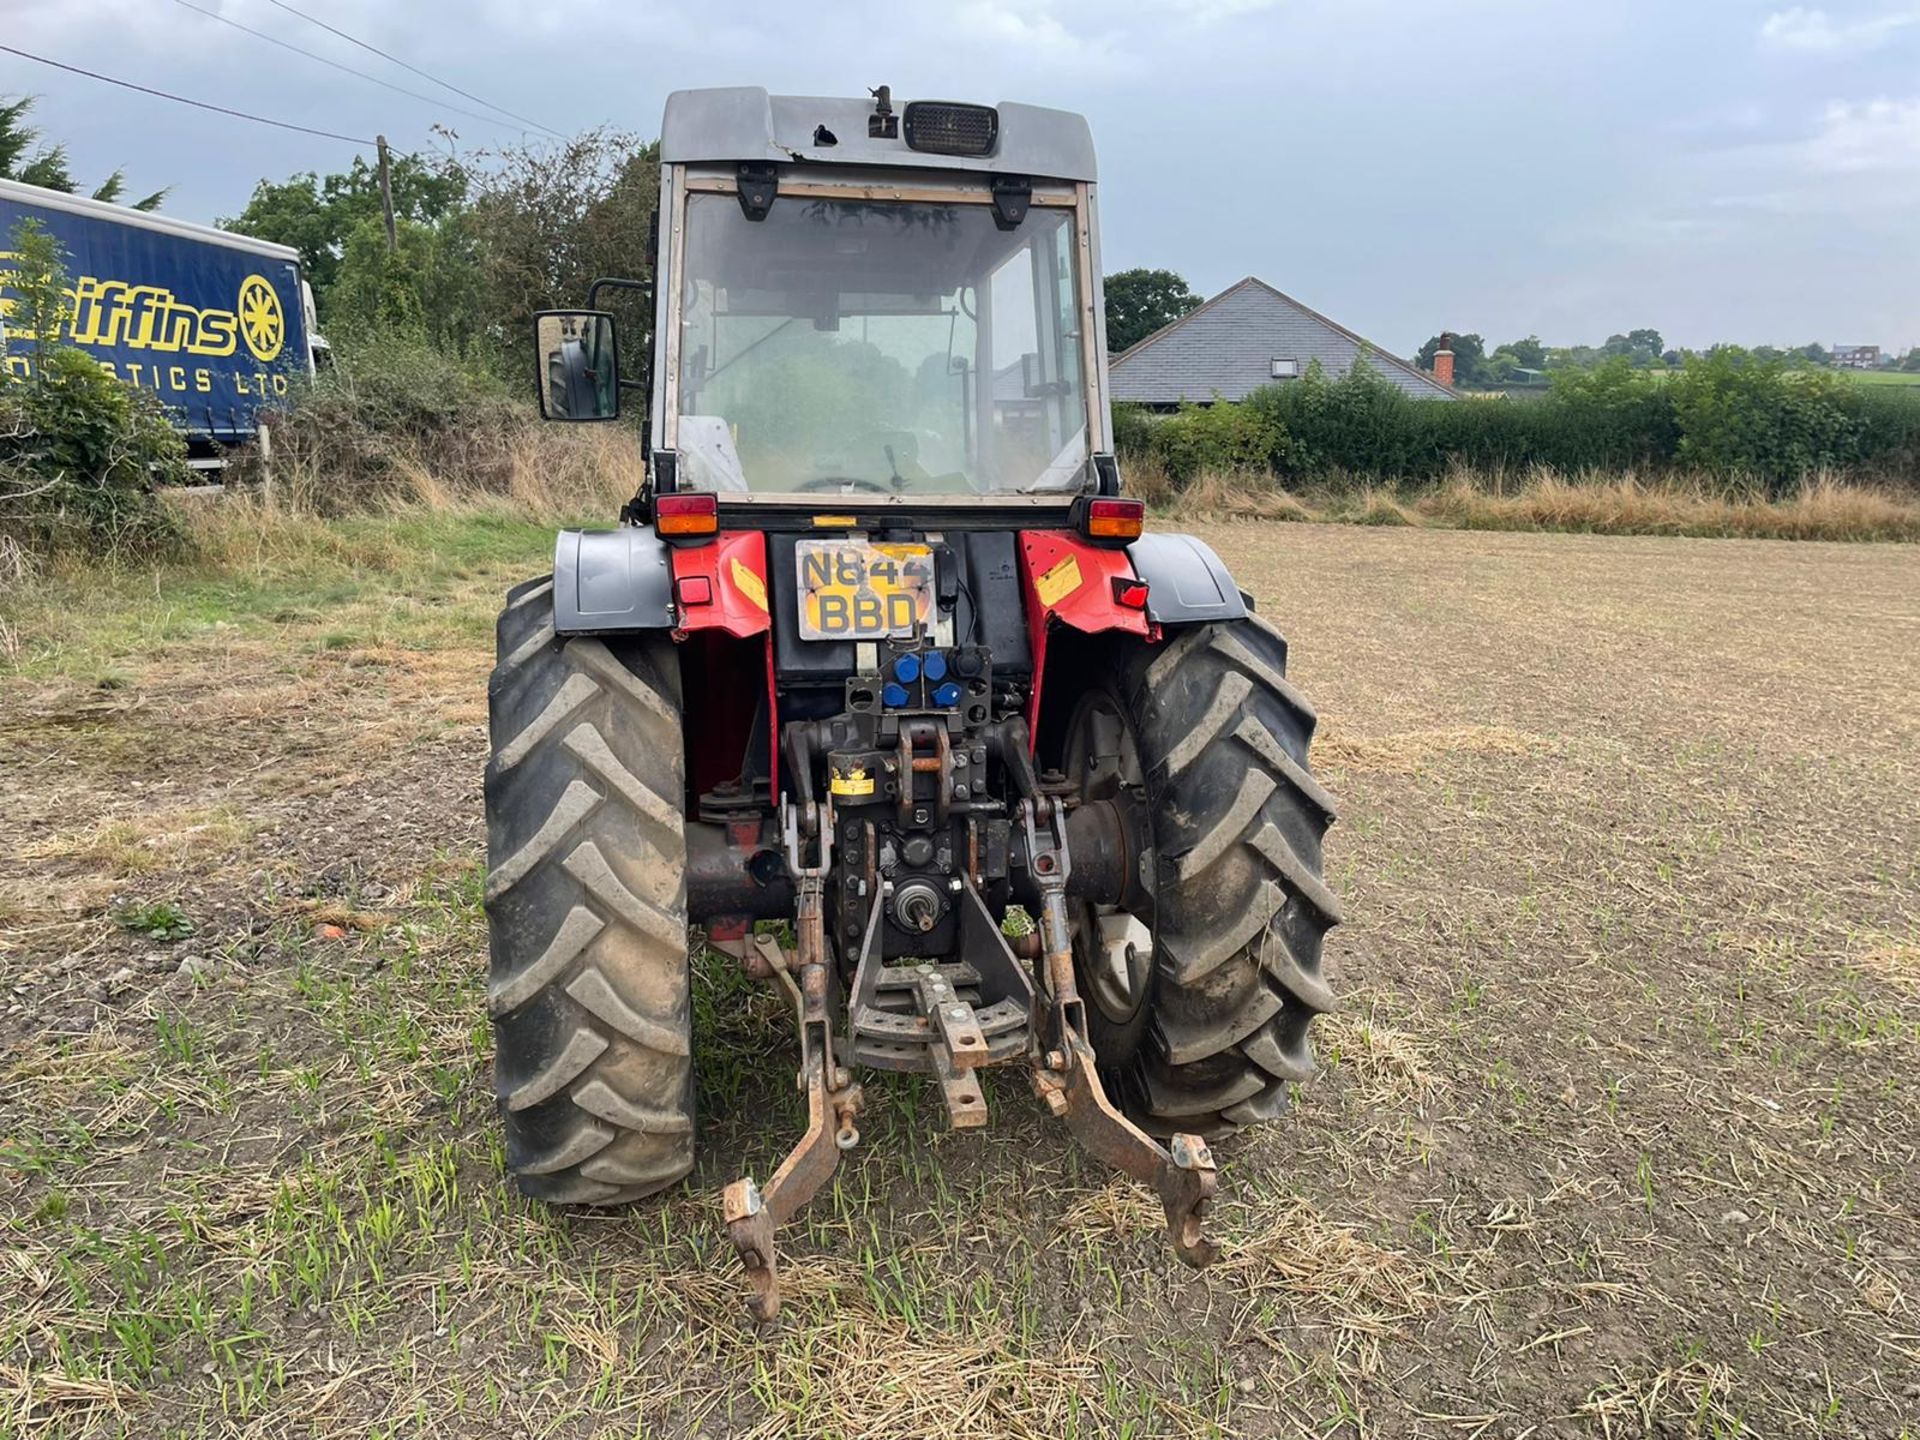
1823 508
540 476
528 468
558 474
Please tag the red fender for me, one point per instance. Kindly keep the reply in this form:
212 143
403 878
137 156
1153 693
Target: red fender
734 569
1066 579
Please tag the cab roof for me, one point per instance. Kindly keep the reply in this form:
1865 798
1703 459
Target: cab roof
745 123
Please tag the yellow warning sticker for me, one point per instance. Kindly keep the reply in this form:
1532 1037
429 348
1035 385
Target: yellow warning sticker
749 584
1054 585
855 782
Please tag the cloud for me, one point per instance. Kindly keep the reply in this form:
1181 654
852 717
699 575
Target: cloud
1034 34
1020 25
1758 191
59 29
1740 170
1206 12
1871 136
1814 32
1840 164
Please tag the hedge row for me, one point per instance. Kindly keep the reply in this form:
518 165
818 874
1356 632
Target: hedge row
1727 414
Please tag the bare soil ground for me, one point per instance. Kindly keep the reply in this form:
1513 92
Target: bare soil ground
1616 1134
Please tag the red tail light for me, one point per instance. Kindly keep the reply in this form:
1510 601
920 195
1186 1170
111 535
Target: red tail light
1113 519
1130 593
689 514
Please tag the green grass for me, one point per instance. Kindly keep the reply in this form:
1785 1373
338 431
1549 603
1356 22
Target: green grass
335 584
1882 377
1862 377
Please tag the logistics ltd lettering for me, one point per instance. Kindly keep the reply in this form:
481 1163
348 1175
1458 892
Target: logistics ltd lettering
118 315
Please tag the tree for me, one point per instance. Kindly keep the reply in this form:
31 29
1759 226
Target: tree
1469 357
481 242
1503 365
24 158
316 215
1741 413
1529 353
428 285
37 315
549 221
1139 302
1641 348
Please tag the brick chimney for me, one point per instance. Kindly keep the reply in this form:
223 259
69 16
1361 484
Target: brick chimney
1443 361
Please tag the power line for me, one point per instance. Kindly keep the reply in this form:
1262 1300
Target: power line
182 100
415 69
347 69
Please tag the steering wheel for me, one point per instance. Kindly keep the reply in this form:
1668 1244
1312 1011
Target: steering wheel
834 482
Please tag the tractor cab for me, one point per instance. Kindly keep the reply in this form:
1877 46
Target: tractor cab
864 304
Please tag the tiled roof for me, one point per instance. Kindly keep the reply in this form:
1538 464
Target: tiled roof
1227 347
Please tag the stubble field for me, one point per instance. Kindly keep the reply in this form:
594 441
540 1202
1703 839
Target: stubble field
1615 1135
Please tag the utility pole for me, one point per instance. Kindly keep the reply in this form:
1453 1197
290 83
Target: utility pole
386 193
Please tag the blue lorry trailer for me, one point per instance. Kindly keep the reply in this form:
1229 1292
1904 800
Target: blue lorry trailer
216 325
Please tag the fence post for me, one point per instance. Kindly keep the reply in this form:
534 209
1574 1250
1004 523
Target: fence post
265 444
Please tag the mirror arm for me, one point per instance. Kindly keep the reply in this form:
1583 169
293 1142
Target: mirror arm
643 287
644 384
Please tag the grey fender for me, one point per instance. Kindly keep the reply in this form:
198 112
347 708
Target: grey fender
1186 581
611 580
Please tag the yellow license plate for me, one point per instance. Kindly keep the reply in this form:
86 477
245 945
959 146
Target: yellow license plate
856 590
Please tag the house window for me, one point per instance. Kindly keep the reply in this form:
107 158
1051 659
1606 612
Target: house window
1286 369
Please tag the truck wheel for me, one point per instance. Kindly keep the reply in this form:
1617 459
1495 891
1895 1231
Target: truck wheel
1202 1024
586 905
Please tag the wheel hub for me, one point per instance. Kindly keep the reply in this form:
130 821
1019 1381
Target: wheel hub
1113 948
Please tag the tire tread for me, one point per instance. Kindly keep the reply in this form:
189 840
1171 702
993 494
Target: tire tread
586 903
1241 905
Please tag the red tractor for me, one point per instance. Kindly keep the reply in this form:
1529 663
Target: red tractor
881 684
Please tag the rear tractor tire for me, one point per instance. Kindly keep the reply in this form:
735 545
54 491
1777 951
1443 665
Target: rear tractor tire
1210 1036
586 903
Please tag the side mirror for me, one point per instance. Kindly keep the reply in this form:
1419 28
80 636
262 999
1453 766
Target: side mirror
577 369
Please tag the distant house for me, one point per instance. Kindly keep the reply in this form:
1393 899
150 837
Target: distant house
1857 357
1247 336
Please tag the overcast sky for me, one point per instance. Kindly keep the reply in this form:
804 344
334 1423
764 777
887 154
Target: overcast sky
1719 169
